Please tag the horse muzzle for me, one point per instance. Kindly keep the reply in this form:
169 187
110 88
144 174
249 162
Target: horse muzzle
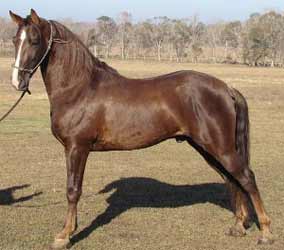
23 83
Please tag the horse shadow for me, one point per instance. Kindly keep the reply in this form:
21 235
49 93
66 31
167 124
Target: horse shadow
7 195
146 192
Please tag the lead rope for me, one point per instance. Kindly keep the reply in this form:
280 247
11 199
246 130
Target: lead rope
15 105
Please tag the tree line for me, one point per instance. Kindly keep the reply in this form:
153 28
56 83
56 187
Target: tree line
257 41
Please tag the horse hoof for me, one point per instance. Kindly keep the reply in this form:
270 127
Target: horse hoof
265 241
60 244
236 231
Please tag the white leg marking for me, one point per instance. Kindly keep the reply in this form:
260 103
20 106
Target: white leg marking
15 75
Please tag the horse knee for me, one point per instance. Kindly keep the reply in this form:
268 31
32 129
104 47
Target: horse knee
73 194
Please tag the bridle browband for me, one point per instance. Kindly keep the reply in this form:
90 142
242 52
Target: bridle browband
31 71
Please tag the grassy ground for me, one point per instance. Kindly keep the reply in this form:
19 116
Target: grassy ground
164 197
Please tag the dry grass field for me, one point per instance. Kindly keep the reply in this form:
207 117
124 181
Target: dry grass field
164 197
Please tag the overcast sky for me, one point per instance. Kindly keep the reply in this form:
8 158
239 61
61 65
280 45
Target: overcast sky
89 10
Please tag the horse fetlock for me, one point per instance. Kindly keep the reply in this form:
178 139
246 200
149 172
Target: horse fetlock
60 243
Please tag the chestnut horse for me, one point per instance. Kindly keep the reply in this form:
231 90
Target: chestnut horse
94 108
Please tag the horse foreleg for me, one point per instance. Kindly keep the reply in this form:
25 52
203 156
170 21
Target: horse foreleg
76 157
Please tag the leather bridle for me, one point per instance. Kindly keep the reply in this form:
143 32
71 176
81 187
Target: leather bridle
31 71
50 41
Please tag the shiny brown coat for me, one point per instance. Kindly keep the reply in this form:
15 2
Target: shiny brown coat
94 108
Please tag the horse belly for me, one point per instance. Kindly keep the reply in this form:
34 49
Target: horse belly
134 130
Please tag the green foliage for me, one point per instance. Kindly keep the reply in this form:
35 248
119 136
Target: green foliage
262 39
231 34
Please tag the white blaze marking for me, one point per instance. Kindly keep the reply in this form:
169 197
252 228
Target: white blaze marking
15 75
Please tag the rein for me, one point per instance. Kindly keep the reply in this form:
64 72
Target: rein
31 71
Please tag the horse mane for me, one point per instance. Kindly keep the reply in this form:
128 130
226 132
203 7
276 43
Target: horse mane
81 56
67 35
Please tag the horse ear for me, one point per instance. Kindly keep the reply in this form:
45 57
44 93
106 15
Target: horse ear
17 19
35 18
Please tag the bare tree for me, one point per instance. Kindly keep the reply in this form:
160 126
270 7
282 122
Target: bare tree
213 38
180 37
141 39
124 28
93 40
197 38
262 39
159 31
272 24
232 38
107 29
256 41
7 30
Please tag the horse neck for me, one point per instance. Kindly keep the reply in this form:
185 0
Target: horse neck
67 69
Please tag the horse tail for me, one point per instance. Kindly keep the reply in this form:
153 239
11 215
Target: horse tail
242 127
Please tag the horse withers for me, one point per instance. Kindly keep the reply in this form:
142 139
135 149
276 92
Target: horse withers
94 108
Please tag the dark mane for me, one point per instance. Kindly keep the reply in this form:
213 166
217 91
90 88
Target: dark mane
81 56
68 34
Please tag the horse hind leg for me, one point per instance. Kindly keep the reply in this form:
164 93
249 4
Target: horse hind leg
247 180
239 205
236 164
238 198
244 177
